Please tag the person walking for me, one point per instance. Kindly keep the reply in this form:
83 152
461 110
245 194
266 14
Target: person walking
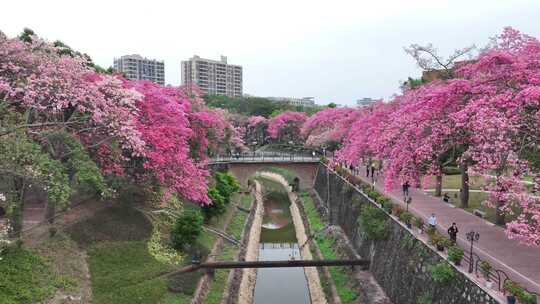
452 232
432 221
405 188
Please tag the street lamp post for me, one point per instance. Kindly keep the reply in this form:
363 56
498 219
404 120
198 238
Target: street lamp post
472 237
408 201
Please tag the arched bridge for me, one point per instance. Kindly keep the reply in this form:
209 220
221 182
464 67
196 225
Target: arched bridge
244 166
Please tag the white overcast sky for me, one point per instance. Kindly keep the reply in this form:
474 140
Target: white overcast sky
337 51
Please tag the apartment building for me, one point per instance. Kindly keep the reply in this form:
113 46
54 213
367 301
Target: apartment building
136 67
212 76
303 101
365 102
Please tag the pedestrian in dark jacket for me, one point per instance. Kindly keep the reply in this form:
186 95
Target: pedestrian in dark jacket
452 232
406 187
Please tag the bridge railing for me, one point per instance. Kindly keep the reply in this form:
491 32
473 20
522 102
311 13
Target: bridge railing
266 156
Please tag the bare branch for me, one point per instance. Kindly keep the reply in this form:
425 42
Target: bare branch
36 125
428 58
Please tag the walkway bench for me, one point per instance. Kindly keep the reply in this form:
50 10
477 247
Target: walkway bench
479 213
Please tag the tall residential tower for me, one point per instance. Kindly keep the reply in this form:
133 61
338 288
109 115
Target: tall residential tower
212 76
135 67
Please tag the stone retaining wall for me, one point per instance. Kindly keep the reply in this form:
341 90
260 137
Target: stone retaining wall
400 263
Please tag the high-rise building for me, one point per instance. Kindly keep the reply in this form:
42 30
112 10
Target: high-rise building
136 67
364 102
304 101
212 76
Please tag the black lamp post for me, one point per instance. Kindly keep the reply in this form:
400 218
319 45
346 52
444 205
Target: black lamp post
472 237
408 201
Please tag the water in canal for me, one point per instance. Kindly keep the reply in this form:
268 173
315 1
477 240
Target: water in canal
278 242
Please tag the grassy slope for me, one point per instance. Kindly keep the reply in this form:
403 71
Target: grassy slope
122 269
340 277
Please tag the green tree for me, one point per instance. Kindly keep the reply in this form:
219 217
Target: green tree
218 205
226 185
187 229
26 35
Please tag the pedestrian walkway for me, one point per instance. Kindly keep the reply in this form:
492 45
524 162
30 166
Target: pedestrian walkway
520 262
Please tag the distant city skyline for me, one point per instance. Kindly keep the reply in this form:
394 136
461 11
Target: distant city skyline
339 52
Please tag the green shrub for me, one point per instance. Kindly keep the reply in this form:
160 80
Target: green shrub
373 222
418 222
438 239
186 229
226 184
218 205
486 268
521 294
455 254
431 231
442 273
446 242
527 298
397 210
405 217
425 298
388 206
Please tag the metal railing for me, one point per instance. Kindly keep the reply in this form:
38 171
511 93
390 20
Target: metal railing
266 157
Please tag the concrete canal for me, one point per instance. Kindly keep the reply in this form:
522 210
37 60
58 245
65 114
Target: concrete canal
278 242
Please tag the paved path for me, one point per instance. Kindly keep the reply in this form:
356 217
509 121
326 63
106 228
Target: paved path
521 263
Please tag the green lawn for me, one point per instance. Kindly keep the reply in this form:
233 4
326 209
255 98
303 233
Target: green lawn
25 277
340 276
454 182
245 201
124 272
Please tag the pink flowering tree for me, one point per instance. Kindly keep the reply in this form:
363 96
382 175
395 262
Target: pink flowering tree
362 142
485 119
328 128
286 126
165 125
55 110
256 129
503 117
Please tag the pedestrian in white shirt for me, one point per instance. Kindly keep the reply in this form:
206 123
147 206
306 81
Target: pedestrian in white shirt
432 221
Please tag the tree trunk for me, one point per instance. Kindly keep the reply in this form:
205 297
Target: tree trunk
464 193
438 184
499 215
50 212
17 214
